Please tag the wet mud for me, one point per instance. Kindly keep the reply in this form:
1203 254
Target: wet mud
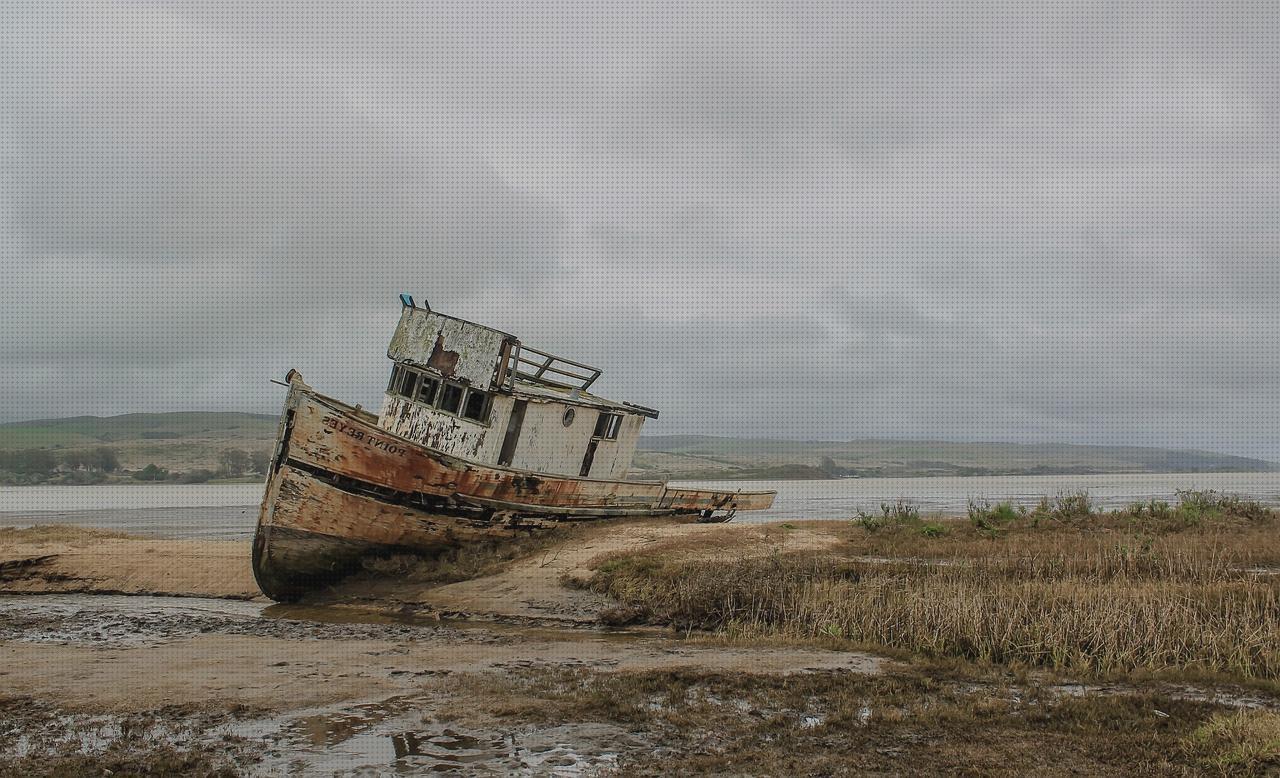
406 734
114 621
505 674
316 689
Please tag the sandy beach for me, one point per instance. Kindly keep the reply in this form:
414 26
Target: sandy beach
97 624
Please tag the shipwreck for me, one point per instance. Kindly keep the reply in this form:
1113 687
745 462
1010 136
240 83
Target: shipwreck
479 438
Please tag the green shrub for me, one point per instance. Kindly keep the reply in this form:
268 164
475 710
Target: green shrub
1210 503
933 530
993 518
198 476
900 513
869 523
1194 509
151 472
1068 506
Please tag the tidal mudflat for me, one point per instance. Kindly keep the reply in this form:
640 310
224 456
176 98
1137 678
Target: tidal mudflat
1063 639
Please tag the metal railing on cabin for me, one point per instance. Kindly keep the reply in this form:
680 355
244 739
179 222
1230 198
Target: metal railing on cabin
530 364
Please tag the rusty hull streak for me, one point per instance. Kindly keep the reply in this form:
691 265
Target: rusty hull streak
442 359
312 534
328 439
342 487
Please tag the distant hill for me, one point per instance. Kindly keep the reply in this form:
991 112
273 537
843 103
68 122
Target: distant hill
705 457
178 441
189 441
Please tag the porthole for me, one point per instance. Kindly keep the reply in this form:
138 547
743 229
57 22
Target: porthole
568 416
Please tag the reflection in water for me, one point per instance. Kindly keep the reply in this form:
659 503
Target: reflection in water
449 749
330 729
349 741
449 746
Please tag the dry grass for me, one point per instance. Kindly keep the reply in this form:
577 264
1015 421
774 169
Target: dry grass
1097 595
907 723
37 739
1245 741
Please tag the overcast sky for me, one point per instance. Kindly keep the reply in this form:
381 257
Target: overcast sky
961 221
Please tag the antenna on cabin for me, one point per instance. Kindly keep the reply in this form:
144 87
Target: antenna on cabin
407 301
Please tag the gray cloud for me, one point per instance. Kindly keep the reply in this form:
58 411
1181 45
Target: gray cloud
995 220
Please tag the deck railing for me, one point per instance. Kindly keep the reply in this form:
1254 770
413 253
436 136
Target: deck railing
530 364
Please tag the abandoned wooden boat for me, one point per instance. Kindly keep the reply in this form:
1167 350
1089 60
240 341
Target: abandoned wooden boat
479 437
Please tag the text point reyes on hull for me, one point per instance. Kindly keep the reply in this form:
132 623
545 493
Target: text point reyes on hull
479 437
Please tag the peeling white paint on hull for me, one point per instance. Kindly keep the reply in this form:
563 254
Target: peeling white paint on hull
342 487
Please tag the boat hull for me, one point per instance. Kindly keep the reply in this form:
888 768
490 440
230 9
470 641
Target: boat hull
341 488
313 534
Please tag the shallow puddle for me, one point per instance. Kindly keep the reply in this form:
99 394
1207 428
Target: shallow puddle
420 727
400 735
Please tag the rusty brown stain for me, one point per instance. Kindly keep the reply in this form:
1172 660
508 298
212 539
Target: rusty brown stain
359 453
526 484
313 532
442 359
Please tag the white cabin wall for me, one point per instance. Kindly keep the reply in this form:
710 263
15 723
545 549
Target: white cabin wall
613 457
546 445
449 434
456 349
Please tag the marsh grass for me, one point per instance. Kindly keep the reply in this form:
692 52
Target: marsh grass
1071 590
37 739
1194 509
1244 741
905 722
900 516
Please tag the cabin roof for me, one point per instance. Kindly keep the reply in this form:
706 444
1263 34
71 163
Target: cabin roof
522 370
536 391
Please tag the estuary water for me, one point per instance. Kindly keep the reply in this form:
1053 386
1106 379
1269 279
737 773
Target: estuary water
229 511
843 498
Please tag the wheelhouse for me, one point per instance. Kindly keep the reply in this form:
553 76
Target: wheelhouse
479 393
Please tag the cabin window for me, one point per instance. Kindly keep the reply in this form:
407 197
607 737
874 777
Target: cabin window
607 425
408 384
457 399
477 405
397 376
451 398
427 390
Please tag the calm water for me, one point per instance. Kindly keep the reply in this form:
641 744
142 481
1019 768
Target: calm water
169 510
229 511
843 498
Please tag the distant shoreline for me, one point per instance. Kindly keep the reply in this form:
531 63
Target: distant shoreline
762 475
194 448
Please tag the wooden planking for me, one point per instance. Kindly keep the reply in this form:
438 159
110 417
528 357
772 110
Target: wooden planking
704 499
307 504
457 349
312 534
330 438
